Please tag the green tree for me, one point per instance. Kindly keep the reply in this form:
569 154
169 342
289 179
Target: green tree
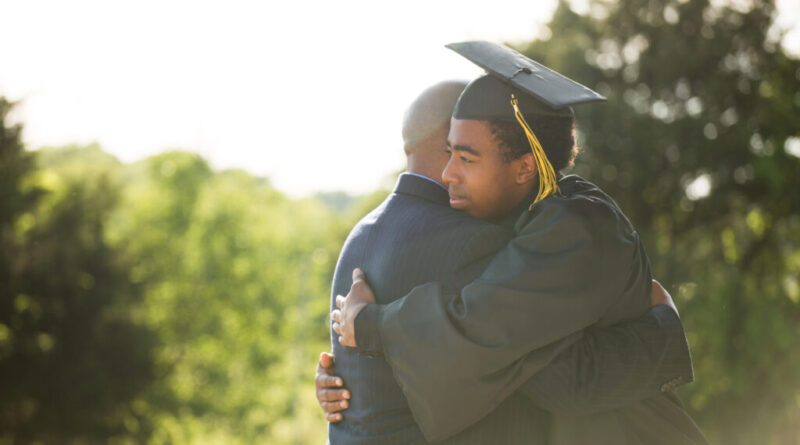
696 144
72 357
236 278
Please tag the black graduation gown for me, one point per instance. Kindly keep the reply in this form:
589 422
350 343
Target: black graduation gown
575 262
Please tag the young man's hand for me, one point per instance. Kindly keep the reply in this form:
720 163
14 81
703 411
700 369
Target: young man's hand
331 400
344 318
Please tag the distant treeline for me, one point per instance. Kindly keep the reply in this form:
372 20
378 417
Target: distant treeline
159 300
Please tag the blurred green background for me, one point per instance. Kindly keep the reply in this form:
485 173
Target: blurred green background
163 302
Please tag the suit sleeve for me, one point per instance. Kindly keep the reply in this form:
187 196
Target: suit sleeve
457 355
615 366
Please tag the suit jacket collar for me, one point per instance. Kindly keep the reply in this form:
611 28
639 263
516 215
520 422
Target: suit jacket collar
423 188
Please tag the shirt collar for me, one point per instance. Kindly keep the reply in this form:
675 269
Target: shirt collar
424 177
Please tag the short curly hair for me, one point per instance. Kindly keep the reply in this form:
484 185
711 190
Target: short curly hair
555 133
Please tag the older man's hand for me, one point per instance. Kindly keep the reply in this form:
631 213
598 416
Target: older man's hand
348 308
659 295
331 396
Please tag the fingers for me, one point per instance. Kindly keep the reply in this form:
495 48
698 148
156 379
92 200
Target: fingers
340 301
333 395
337 328
332 407
327 381
330 400
360 291
656 294
659 295
326 360
336 317
321 372
358 275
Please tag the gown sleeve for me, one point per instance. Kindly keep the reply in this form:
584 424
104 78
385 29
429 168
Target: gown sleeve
615 366
458 354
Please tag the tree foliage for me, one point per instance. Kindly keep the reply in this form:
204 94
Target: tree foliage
73 358
695 143
159 301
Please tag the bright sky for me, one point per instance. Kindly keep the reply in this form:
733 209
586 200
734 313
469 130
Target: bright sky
308 93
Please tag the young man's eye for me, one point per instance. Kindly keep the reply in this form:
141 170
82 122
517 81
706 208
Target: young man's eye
465 160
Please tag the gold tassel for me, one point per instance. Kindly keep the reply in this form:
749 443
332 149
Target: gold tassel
548 181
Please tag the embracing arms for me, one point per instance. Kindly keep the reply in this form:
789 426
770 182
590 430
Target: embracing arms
607 368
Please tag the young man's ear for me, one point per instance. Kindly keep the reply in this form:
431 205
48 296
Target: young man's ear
526 170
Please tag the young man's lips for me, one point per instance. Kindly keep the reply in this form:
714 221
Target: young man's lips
457 201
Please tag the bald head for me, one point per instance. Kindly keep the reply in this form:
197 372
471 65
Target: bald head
425 127
431 110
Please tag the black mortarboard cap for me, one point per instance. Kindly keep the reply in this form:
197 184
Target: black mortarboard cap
538 89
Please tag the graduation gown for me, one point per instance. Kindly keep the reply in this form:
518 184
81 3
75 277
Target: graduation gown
575 262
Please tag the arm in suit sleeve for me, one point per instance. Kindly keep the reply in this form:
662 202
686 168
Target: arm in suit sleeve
615 366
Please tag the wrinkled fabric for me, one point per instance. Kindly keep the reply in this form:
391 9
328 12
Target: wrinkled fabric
575 262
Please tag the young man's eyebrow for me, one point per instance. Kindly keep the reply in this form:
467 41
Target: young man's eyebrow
466 148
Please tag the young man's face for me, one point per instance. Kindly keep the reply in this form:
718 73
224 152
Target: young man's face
479 180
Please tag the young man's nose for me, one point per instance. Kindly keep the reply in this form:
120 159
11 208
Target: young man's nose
449 175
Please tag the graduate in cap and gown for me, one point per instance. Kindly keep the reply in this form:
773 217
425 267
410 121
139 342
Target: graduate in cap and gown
575 262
